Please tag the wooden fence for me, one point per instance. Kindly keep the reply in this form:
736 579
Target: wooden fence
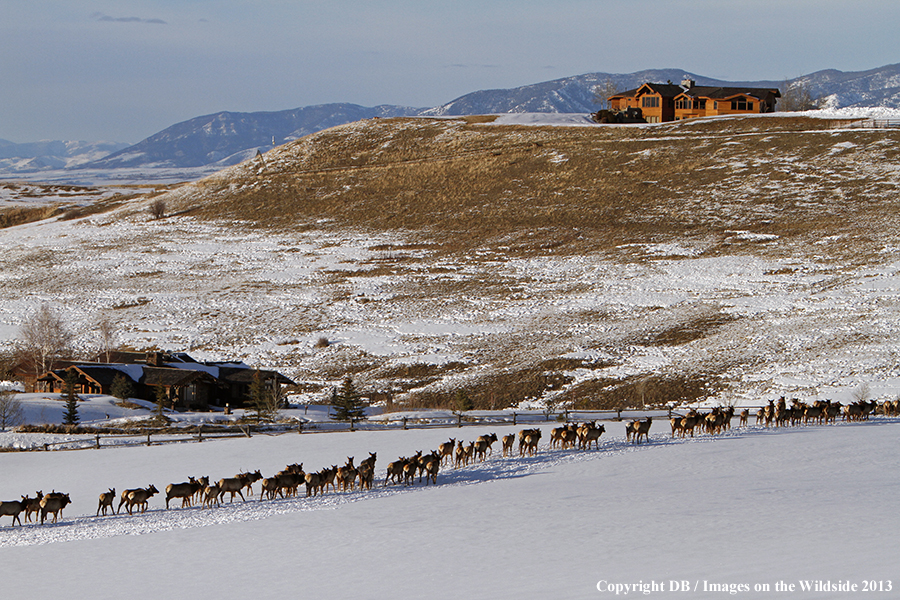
871 124
207 432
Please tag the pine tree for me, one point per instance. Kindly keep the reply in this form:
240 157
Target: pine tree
121 388
348 404
70 417
462 402
263 403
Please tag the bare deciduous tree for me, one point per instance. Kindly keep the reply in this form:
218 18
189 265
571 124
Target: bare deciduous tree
11 412
45 339
796 96
107 331
603 91
158 208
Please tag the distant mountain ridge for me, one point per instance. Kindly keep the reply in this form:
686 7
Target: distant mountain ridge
52 154
226 138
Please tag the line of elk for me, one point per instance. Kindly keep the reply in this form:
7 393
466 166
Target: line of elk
286 483
404 470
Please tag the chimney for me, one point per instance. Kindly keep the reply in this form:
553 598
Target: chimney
155 359
688 83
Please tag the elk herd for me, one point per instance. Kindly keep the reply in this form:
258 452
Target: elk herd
404 471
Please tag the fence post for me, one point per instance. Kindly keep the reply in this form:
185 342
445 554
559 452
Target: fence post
148 438
459 419
199 433
404 424
514 417
46 447
98 441
567 415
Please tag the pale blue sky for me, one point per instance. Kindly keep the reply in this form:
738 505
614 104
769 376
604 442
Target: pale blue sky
122 70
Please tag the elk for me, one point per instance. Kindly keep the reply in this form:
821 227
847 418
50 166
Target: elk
12 508
328 477
568 438
507 443
745 417
528 441
395 471
287 482
432 466
635 430
314 483
489 439
269 488
250 478
185 491
53 502
461 458
231 485
410 468
124 498
106 501
346 475
368 464
139 497
366 474
480 447
446 450
32 505
211 495
590 433
643 429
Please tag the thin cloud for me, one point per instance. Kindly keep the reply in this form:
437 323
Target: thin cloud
471 66
107 19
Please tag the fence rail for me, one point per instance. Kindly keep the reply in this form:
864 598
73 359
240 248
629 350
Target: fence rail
207 433
872 124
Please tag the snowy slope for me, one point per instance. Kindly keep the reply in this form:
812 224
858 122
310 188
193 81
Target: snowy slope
752 507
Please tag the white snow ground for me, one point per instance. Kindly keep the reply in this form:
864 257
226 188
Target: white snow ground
752 507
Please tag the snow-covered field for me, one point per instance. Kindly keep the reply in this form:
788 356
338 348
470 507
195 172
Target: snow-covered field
748 509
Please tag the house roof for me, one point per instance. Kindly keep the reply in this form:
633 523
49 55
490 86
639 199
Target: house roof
173 377
175 369
723 93
667 90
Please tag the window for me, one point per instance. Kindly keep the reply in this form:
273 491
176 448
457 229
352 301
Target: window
650 101
683 104
741 104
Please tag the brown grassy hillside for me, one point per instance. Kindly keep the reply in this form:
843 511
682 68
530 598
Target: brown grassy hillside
468 183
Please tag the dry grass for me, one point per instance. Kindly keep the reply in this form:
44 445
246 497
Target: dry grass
462 184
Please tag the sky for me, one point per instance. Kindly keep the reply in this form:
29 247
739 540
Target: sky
123 70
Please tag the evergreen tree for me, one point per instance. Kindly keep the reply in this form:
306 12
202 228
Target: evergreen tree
262 402
348 404
70 417
462 402
121 388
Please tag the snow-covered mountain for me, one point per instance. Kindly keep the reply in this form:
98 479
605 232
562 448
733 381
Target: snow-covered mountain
38 156
227 138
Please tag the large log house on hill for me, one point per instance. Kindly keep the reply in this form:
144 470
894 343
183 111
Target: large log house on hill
188 384
659 102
